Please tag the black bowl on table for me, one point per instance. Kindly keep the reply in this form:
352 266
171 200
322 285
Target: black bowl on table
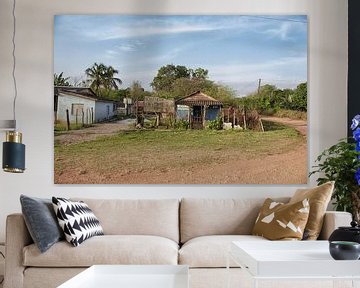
344 250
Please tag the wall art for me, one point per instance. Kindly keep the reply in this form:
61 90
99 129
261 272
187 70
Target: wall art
180 99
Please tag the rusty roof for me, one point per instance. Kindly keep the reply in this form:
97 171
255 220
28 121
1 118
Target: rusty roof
198 99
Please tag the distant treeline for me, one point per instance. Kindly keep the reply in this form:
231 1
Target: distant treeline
176 81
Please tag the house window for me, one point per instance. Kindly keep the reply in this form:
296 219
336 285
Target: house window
77 109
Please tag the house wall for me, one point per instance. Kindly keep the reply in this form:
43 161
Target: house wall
212 113
327 66
101 111
65 102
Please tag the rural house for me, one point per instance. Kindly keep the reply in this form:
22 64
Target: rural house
83 105
197 108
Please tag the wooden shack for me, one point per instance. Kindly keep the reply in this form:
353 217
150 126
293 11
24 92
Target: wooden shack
197 108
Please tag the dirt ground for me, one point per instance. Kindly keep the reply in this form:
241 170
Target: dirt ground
235 169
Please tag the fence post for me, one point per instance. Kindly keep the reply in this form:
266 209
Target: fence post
67 119
77 111
83 116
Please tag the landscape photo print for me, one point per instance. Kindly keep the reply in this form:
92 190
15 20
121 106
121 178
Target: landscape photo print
187 99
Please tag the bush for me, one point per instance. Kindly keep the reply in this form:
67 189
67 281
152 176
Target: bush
181 124
216 124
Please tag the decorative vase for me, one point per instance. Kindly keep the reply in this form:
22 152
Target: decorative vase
344 250
345 233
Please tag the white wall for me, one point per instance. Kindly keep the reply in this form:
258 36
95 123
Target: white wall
101 110
66 101
327 88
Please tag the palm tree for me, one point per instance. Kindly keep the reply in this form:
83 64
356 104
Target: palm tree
59 80
102 76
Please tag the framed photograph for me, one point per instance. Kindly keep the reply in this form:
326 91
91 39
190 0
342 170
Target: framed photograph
180 99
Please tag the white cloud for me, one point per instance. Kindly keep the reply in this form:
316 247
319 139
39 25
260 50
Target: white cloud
244 77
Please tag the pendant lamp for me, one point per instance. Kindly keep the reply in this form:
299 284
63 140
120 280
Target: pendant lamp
13 149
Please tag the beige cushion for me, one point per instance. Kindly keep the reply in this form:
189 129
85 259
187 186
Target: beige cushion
211 251
319 198
108 249
279 221
159 217
200 217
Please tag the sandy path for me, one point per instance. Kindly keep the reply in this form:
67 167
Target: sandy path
299 125
91 133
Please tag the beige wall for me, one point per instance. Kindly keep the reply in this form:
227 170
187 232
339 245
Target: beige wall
327 88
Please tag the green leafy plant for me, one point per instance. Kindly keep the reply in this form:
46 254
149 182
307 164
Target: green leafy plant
216 124
339 163
181 124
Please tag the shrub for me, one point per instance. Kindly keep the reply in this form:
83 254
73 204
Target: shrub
216 124
181 124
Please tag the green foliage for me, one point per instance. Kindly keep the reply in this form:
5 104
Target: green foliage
167 75
339 163
181 124
292 114
137 92
216 124
270 99
102 79
60 80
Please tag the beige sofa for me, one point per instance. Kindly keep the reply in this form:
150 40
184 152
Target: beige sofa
194 232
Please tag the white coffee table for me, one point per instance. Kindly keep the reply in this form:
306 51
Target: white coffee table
131 276
292 260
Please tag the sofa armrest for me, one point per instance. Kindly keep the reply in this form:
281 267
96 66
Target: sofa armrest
333 220
17 237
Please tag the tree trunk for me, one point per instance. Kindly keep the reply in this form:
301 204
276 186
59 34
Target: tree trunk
355 201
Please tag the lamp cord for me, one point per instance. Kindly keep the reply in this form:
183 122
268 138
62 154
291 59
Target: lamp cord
14 60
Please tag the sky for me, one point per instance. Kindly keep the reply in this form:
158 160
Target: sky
236 50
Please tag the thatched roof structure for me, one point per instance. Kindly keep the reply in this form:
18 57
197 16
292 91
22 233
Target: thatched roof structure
198 99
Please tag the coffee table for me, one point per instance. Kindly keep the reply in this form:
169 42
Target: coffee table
131 276
293 260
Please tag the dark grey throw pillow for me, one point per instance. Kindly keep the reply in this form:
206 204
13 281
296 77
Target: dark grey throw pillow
41 221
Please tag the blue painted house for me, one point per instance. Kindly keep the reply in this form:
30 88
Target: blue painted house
197 108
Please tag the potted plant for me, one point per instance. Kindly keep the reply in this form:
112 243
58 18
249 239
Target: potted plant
341 163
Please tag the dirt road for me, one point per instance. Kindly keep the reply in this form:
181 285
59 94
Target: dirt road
299 125
91 133
226 167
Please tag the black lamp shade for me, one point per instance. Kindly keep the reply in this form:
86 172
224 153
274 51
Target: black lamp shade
13 157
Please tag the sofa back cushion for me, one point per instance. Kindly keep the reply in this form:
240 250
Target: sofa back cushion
200 217
158 217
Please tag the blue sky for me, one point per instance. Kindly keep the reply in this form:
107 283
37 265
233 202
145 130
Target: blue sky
237 50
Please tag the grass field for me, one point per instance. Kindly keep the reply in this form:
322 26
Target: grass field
159 151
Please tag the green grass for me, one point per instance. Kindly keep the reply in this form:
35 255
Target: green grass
151 150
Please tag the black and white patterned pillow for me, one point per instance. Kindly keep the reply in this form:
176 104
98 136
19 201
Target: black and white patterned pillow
77 220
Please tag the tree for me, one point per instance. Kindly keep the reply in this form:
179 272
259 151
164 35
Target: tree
299 97
167 75
199 73
102 78
136 91
60 80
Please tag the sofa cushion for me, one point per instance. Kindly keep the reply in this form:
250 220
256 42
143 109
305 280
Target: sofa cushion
211 251
107 249
279 221
41 221
201 217
319 198
77 220
158 217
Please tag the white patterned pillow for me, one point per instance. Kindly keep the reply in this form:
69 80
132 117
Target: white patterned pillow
77 220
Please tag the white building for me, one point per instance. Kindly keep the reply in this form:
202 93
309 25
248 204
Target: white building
82 104
104 110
